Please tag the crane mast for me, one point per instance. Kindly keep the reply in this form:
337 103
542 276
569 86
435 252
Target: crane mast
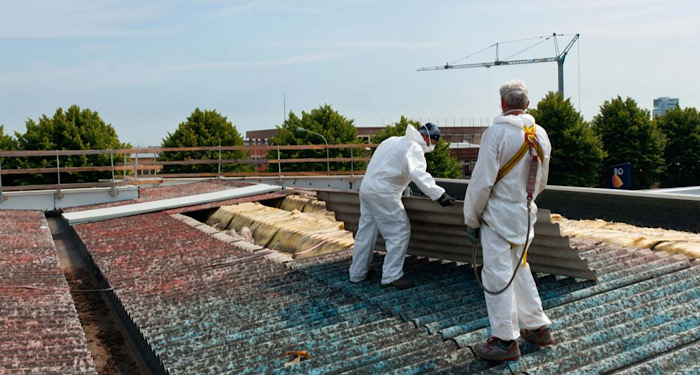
559 58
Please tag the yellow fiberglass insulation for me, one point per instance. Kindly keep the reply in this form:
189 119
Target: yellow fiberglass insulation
295 202
244 214
315 205
313 244
307 205
220 219
671 241
309 231
305 234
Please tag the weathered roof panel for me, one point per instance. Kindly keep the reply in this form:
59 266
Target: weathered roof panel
439 232
207 306
40 329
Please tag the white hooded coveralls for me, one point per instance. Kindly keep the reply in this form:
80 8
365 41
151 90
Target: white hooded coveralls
502 208
396 162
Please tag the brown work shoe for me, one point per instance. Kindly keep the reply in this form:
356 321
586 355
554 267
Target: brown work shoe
370 274
541 336
495 349
402 283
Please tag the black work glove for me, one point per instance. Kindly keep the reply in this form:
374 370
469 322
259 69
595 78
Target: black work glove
446 200
474 235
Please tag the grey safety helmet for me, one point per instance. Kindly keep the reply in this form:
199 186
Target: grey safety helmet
431 131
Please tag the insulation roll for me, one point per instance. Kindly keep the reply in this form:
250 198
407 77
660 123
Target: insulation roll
671 241
309 233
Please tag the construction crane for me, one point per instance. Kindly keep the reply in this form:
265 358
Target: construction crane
559 58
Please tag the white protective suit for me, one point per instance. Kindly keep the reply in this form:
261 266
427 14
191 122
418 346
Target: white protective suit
396 162
502 209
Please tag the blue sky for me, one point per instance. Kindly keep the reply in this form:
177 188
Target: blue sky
146 65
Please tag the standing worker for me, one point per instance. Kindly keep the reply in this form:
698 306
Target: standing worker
396 162
496 205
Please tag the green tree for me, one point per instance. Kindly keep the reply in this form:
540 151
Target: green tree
440 163
6 141
682 130
324 120
204 128
629 135
74 129
577 151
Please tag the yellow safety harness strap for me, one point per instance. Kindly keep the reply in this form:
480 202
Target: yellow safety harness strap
530 140
513 246
512 162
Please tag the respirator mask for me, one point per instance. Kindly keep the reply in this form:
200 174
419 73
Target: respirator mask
425 130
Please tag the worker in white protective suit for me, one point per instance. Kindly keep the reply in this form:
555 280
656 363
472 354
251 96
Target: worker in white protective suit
395 163
495 211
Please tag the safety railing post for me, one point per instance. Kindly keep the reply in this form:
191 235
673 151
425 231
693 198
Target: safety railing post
219 173
352 164
2 198
279 164
124 178
136 166
58 194
113 191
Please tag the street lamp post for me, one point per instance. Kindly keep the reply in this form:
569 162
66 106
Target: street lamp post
328 165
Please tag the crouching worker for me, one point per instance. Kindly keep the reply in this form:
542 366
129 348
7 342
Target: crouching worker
396 162
496 206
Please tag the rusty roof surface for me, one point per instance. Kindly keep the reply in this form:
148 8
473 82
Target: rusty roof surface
41 332
207 305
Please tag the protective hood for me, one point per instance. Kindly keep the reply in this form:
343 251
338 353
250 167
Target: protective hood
519 120
415 136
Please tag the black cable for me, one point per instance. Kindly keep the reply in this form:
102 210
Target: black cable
527 237
519 52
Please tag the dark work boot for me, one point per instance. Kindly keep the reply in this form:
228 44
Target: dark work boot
495 349
541 336
402 283
370 274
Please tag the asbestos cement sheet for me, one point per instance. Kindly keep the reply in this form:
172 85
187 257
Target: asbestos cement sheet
439 232
108 213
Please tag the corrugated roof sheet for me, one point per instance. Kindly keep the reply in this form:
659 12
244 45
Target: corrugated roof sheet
41 332
206 306
439 232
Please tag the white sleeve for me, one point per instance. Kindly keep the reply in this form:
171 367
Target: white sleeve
547 149
482 180
417 169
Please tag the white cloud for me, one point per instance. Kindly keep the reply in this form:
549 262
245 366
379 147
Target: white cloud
368 45
245 6
99 75
80 18
298 59
632 19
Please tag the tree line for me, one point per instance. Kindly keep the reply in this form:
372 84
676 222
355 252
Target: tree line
663 152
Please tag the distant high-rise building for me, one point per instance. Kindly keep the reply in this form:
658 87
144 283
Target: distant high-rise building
663 103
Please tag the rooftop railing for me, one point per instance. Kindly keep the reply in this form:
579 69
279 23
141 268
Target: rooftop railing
136 166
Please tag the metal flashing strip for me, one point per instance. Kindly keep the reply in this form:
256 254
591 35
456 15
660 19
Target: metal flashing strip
108 213
47 200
